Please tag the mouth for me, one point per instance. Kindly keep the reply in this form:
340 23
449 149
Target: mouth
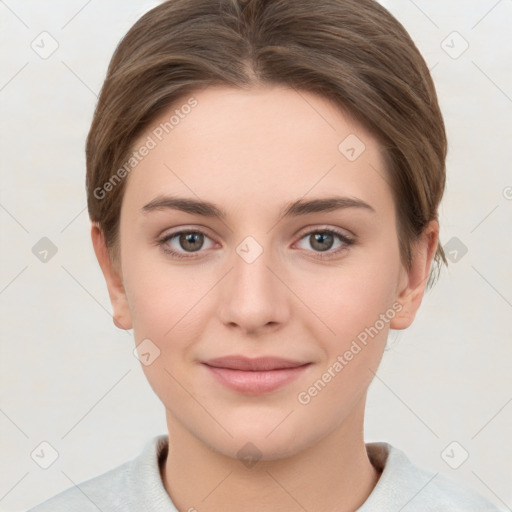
255 376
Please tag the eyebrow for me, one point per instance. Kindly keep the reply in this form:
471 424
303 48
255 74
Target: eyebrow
293 209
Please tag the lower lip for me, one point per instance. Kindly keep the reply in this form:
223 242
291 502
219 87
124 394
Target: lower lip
256 382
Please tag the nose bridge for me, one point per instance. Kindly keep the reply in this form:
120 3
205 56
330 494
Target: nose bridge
253 295
251 263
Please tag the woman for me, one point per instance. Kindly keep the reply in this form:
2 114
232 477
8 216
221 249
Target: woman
263 183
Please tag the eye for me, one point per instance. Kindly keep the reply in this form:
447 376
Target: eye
323 240
183 244
189 241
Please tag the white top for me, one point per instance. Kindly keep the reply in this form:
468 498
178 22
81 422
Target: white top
136 486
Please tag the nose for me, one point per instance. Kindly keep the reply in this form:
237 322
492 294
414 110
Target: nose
253 295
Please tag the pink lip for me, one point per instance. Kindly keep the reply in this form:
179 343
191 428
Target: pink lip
254 376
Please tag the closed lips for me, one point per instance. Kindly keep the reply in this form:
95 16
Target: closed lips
255 365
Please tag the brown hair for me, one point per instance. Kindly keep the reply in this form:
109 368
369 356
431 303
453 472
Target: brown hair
353 52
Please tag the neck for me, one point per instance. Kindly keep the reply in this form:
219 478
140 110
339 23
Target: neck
334 474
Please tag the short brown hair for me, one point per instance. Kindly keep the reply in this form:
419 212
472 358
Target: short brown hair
353 52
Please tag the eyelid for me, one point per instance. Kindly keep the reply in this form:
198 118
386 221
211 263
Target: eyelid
194 228
326 227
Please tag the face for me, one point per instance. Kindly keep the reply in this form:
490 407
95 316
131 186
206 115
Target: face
280 274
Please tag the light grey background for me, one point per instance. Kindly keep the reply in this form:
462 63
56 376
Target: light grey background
69 377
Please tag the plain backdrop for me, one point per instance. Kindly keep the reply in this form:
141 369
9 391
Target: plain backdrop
69 378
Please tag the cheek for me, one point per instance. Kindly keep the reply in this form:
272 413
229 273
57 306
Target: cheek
359 311
164 302
358 308
353 298
166 309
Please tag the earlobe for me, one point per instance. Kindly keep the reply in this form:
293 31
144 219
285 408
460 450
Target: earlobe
121 312
414 281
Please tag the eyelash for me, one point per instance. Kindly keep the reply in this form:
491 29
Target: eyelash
347 241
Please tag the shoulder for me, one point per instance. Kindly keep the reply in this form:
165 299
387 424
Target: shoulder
91 495
406 487
125 487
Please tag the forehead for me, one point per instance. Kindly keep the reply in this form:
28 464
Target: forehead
246 149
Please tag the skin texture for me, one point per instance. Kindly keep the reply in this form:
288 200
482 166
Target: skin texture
251 152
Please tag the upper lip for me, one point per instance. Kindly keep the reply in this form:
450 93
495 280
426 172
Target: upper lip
238 362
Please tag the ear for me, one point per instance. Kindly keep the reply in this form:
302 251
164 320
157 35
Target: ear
413 282
113 278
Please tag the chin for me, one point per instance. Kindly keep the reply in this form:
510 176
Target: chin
261 442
